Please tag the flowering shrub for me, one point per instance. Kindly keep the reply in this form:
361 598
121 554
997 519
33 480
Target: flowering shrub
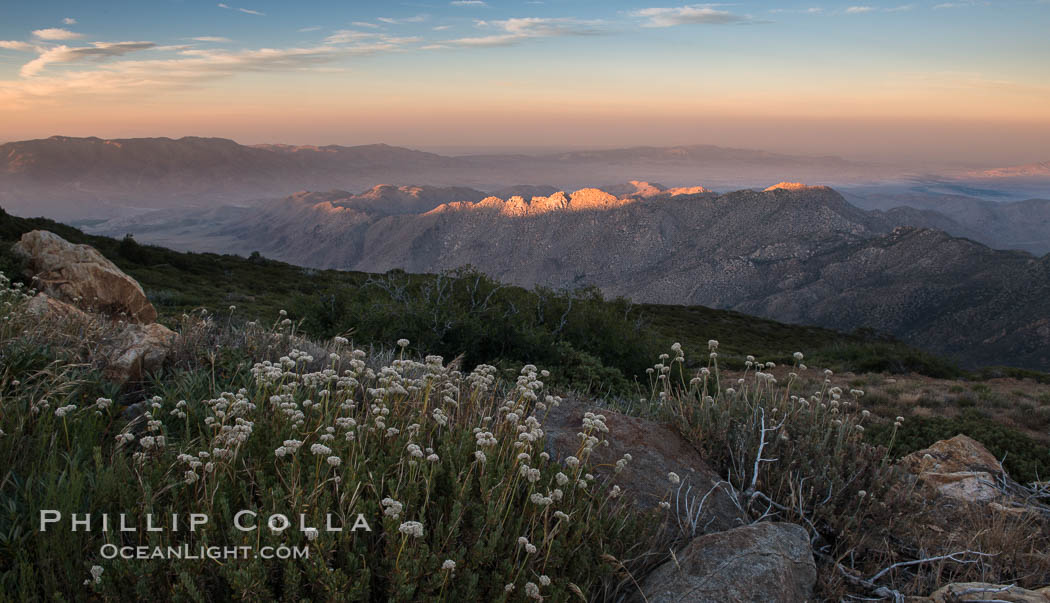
792 443
446 469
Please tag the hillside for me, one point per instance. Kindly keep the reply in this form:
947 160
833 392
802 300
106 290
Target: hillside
414 476
1023 225
332 301
800 255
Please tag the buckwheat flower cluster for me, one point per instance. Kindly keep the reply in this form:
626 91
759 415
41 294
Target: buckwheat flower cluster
391 508
529 547
96 574
411 528
179 412
288 447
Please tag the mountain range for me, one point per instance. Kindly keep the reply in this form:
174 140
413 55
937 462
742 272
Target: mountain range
950 261
794 253
78 178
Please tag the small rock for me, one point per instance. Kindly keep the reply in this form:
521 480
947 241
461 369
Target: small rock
767 562
137 350
959 468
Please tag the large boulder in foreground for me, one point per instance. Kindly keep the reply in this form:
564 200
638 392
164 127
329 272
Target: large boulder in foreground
74 278
767 562
980 591
656 450
80 275
959 468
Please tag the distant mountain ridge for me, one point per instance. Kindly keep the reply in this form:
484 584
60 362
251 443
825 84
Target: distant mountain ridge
75 178
1030 170
792 253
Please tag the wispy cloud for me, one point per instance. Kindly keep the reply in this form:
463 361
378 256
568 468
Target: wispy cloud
69 21
696 14
346 36
65 54
864 9
441 27
56 33
412 19
247 11
211 39
468 3
512 31
966 81
365 24
813 10
15 45
179 67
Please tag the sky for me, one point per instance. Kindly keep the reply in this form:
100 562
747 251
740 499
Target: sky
961 80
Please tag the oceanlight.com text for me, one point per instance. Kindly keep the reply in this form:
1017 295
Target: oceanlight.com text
218 553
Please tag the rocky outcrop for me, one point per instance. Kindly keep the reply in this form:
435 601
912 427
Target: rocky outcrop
766 562
701 499
980 591
80 275
44 306
82 286
792 186
959 468
139 349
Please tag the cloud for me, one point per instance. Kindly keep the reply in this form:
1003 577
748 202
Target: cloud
187 68
467 3
56 33
441 27
854 10
412 19
69 21
696 14
15 45
65 54
348 36
211 39
518 30
816 10
345 36
243 10
364 24
306 29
